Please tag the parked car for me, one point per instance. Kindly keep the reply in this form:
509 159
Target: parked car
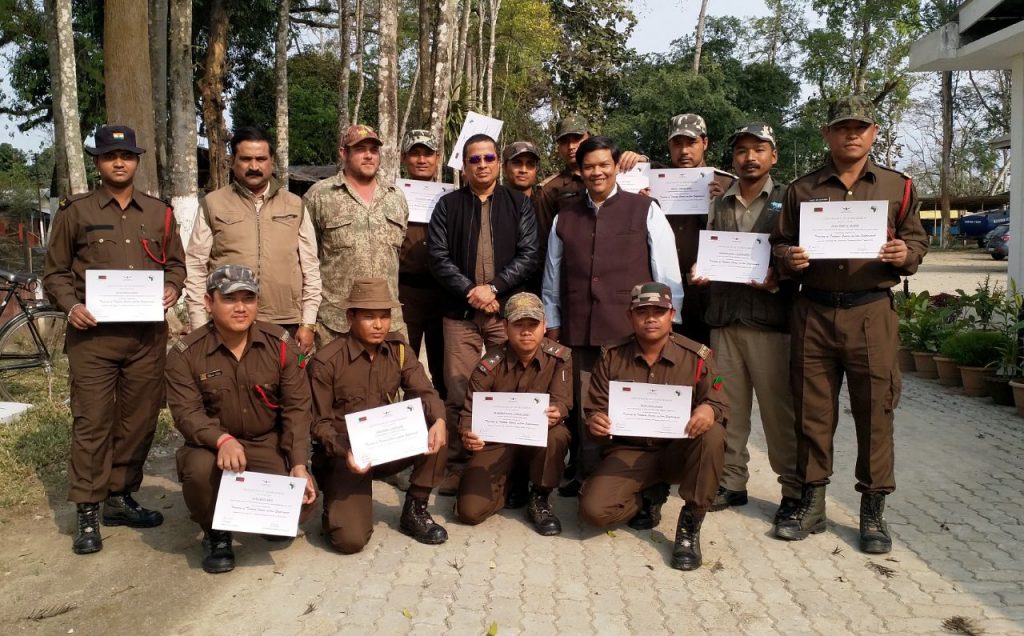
978 225
998 244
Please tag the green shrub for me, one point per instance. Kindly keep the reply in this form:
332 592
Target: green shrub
974 348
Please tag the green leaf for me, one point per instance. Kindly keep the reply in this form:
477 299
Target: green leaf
492 630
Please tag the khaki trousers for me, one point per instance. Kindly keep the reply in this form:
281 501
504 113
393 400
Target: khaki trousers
752 362
611 495
483 485
464 344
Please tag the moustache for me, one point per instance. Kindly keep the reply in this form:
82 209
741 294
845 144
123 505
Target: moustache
254 173
749 166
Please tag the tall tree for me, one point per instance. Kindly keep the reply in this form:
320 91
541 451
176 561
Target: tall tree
699 36
444 58
360 54
345 43
63 77
184 170
211 90
425 58
493 7
387 89
281 90
158 58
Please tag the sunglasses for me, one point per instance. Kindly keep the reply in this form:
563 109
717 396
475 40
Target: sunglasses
488 158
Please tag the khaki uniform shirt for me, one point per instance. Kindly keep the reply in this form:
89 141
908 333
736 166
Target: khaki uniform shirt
210 392
683 362
501 371
555 192
91 231
345 380
847 275
746 213
356 240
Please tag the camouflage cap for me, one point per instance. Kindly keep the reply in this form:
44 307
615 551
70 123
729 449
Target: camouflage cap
370 293
757 129
650 294
418 137
358 133
228 279
524 305
517 148
571 125
855 107
688 125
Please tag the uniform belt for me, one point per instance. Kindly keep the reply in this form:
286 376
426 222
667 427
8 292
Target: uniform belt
843 300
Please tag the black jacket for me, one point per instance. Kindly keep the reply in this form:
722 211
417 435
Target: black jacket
453 235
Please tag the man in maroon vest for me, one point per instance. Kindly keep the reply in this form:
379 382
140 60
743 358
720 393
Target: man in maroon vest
600 246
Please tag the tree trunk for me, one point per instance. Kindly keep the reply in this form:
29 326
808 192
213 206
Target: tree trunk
945 169
461 50
184 170
281 90
495 7
698 40
64 80
479 65
443 71
211 89
387 86
860 76
425 66
158 58
409 102
360 48
127 80
345 40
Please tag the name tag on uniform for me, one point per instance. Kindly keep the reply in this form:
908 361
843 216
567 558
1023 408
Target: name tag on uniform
203 377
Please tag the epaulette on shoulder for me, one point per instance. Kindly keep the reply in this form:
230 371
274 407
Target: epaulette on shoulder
191 338
557 350
396 336
158 200
491 360
814 170
548 180
899 172
702 350
276 331
617 343
68 200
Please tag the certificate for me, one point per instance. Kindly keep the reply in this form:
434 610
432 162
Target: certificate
259 503
637 409
387 433
422 196
636 179
682 190
733 257
843 229
475 124
511 418
122 295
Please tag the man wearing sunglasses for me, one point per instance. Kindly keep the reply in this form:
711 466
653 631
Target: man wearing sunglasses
483 248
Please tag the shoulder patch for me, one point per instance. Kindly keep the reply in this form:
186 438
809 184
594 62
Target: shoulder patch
181 345
491 360
703 351
557 350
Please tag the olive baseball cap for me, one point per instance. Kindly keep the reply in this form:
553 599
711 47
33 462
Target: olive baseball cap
419 137
524 305
358 133
517 148
370 293
756 129
110 138
228 279
571 125
855 107
651 295
687 125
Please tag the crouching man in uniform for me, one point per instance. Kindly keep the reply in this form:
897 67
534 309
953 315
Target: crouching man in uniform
632 470
366 367
241 402
526 363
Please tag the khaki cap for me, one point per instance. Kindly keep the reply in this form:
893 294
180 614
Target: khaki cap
524 305
572 125
370 293
756 129
517 148
358 133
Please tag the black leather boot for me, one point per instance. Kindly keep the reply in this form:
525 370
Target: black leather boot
874 533
808 518
87 539
686 551
727 498
786 509
120 509
540 515
651 500
418 524
517 493
218 556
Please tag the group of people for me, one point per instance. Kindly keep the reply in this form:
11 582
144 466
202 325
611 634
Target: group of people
305 310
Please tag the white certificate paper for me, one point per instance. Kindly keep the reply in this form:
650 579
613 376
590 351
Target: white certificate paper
511 418
387 433
843 229
258 503
733 257
123 295
422 196
638 409
682 190
636 179
475 124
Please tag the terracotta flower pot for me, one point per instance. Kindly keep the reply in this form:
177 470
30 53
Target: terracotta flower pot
949 373
999 389
974 381
1018 395
906 359
925 365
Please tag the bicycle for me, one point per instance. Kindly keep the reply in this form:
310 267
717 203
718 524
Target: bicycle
33 364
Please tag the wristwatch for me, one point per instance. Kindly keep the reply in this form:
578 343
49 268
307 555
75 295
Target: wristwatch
494 290
311 327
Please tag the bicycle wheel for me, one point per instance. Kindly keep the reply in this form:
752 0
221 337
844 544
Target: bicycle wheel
33 365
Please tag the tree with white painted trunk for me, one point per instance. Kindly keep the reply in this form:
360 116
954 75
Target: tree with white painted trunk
64 82
281 91
184 170
387 89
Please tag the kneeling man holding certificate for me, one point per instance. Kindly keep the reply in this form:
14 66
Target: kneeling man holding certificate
639 406
353 379
519 396
242 403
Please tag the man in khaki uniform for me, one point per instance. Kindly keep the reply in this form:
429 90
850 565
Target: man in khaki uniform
527 363
254 221
241 401
116 369
564 187
367 367
360 225
750 327
632 468
844 323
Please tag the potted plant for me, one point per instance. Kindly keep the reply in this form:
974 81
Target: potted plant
947 368
974 351
1008 368
908 308
930 317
